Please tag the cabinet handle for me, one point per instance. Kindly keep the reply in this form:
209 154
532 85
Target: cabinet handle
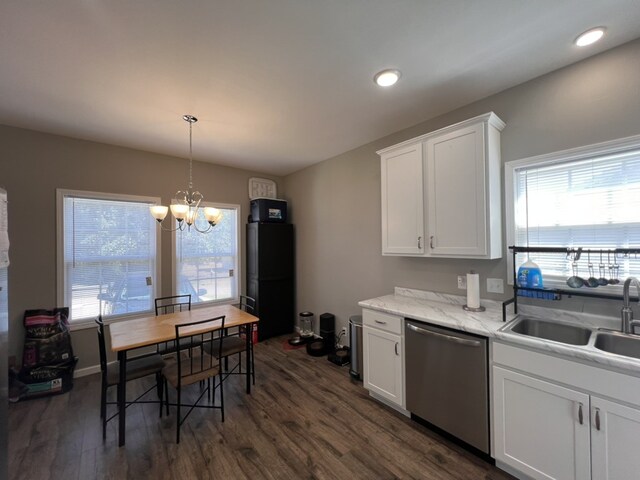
396 348
419 242
580 416
431 241
597 419
380 322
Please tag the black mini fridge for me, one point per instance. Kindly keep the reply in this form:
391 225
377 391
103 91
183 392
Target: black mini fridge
270 276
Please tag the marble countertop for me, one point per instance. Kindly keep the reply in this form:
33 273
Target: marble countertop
440 309
446 310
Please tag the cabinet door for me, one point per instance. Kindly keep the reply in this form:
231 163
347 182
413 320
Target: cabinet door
402 201
615 432
456 193
540 429
382 363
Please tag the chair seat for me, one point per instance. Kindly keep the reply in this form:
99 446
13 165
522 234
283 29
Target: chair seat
136 368
230 346
194 369
185 344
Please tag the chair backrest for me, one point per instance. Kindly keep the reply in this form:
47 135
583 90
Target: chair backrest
101 345
175 303
247 304
210 334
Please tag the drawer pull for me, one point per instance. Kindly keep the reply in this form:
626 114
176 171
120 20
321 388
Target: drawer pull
380 322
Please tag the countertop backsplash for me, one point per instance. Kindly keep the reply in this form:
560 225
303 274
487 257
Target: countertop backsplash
551 310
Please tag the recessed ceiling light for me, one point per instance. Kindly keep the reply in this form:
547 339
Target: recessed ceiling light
590 36
386 78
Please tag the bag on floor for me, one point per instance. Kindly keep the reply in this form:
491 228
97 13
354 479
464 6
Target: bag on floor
48 379
47 340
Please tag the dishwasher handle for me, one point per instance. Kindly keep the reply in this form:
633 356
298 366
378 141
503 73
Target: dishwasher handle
449 338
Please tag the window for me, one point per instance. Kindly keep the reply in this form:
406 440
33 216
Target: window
206 265
107 248
587 197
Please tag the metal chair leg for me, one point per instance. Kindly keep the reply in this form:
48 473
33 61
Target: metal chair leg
178 419
103 400
221 396
159 384
166 395
253 366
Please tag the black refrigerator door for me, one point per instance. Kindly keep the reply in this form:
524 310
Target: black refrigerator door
274 306
270 251
270 276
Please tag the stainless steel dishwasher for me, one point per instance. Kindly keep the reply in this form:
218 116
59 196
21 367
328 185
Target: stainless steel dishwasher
447 381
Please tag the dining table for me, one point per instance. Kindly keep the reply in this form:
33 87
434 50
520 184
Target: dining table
151 330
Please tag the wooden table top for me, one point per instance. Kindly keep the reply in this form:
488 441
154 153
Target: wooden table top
141 332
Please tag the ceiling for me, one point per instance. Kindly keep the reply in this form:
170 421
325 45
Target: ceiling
281 84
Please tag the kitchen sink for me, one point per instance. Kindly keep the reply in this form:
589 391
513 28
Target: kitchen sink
618 343
557 332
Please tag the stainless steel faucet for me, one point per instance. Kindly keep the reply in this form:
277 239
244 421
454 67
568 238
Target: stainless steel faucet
628 323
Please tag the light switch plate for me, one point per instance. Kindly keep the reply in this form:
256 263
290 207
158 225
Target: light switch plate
495 285
462 282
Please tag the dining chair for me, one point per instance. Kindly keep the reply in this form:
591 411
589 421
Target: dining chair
137 367
172 304
185 368
235 344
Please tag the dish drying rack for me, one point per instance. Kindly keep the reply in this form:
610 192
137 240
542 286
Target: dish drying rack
570 252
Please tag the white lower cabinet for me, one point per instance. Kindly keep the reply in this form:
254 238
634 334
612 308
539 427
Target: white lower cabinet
541 429
615 437
550 431
383 357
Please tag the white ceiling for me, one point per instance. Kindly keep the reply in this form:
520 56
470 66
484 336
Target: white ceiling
279 84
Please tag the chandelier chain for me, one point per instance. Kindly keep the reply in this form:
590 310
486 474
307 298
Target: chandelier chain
190 156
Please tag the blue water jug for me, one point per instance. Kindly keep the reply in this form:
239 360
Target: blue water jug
529 275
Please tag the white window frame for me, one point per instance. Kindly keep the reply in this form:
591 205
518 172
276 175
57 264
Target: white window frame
237 272
61 193
618 146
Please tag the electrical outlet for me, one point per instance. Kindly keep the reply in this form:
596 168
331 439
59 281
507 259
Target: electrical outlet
462 282
341 336
495 285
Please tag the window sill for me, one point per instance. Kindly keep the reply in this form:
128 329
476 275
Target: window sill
88 323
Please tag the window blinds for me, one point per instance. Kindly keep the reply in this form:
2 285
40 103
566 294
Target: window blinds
206 264
586 203
109 256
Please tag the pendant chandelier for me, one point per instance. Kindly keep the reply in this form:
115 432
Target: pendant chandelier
186 205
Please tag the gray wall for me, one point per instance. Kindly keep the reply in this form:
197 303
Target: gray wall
336 204
33 165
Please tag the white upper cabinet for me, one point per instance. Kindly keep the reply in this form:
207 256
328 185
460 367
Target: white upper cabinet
402 201
457 187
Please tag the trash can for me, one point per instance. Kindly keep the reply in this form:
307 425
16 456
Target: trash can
355 342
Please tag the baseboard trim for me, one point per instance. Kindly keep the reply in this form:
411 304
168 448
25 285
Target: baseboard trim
390 404
83 372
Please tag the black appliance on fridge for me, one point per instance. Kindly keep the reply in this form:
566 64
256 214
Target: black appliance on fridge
270 276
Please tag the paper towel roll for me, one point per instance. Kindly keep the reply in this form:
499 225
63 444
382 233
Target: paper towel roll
473 290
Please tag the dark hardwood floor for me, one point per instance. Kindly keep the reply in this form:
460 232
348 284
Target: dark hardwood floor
305 419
